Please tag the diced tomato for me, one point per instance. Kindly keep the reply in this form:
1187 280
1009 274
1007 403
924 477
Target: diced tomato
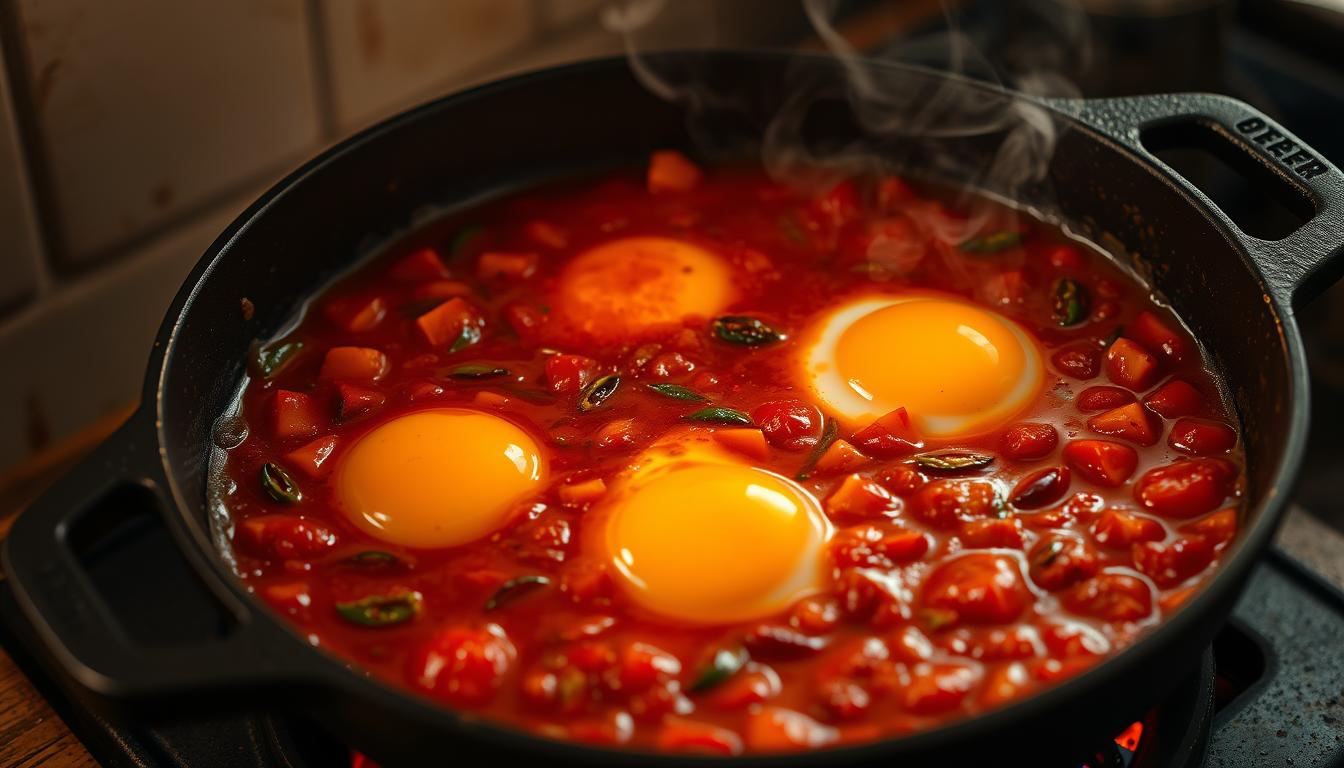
1102 398
282 537
859 497
1065 257
837 206
420 265
441 289
1186 488
948 503
1076 506
777 643
1174 399
357 314
616 434
513 266
1078 361
310 457
1116 529
1102 461
839 456
671 171
612 728
353 401
789 424
490 399
1004 684
526 320
445 324
774 729
1131 422
1110 597
642 665
583 492
1027 440
354 363
748 442
545 233
865 598
890 436
1130 365
815 615
295 415
991 533
902 479
753 685
1201 437
461 665
1058 561
1156 335
1008 287
978 588
680 735
569 374
891 192
1219 527
1170 564
1040 488
936 688
903 546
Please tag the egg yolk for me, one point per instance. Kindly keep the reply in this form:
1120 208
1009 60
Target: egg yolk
438 478
630 286
711 543
955 367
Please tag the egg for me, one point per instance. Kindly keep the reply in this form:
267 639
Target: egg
630 287
957 368
438 478
695 535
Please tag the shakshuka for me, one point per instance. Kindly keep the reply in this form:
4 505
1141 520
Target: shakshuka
688 459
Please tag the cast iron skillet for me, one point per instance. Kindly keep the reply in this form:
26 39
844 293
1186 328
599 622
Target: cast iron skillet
1236 292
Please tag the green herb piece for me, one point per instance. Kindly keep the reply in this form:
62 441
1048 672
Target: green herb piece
829 433
463 238
746 331
996 242
726 663
599 392
271 359
373 558
788 226
382 610
515 588
678 392
279 485
952 460
1071 302
937 618
470 335
477 371
720 415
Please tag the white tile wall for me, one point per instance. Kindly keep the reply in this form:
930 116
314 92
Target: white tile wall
386 53
151 108
81 353
20 267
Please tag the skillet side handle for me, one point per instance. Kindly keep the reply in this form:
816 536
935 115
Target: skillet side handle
1297 267
80 631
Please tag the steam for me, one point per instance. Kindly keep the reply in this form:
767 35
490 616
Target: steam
919 123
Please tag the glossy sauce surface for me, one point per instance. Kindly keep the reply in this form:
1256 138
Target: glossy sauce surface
695 461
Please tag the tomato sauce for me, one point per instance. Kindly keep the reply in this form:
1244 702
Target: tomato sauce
961 572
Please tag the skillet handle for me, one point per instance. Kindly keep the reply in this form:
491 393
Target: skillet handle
81 631
1297 267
